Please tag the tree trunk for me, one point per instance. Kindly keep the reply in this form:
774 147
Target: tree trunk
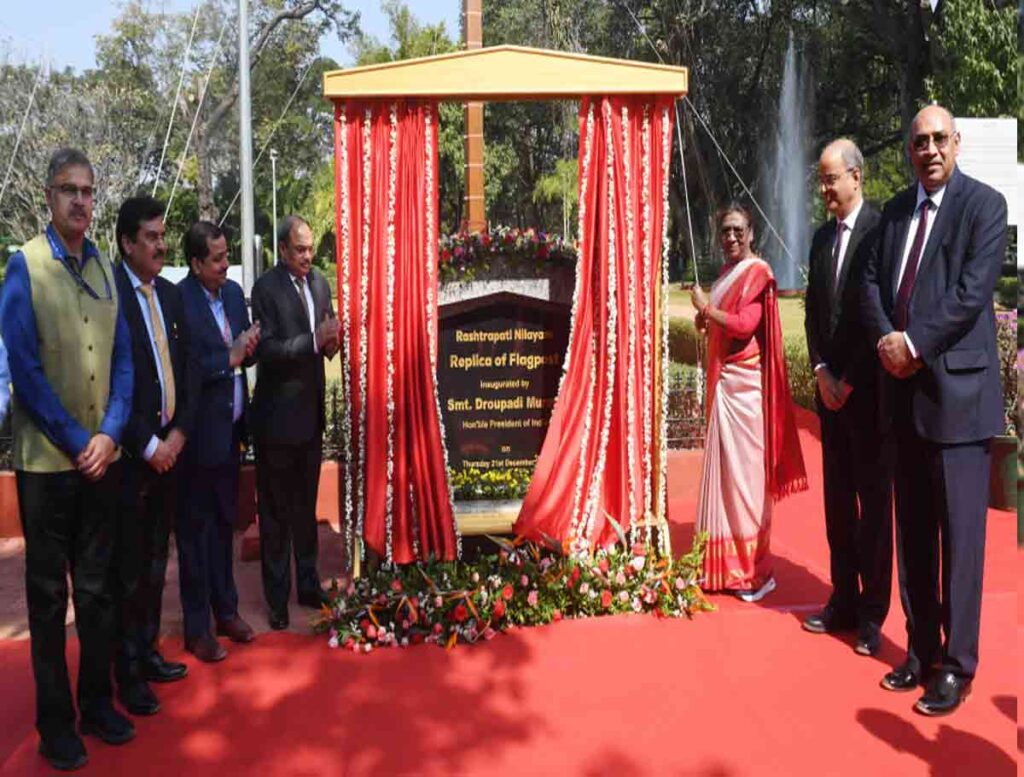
207 207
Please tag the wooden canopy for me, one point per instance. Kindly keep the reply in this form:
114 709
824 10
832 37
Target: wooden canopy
505 73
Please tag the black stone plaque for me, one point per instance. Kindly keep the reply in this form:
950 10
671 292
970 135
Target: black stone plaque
499 365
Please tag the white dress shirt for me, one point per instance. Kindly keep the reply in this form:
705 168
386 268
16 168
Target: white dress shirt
216 302
307 298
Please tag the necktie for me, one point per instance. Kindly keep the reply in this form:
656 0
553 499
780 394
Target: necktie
840 226
901 311
300 284
160 339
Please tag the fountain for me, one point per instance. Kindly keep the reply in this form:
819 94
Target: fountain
789 172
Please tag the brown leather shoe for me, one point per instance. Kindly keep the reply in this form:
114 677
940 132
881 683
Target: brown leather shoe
236 629
206 649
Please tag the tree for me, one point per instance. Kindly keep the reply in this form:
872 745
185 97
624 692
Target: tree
560 186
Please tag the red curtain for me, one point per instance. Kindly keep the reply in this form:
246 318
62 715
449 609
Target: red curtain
601 456
395 483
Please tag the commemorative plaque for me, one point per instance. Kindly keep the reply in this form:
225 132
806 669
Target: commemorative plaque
499 365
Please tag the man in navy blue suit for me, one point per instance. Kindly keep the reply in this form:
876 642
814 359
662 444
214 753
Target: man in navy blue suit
927 301
153 440
221 342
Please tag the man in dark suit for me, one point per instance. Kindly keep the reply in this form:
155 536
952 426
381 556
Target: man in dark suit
855 457
220 343
928 300
298 330
152 441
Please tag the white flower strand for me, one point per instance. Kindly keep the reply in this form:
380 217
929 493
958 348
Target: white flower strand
577 513
594 498
648 325
630 256
665 545
430 256
364 347
346 322
389 337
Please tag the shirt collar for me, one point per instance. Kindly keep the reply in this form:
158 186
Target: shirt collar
936 196
851 217
132 277
60 251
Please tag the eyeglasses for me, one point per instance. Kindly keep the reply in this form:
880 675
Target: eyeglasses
738 231
922 141
831 180
71 191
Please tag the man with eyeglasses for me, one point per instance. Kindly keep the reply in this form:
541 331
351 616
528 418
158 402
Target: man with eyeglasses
855 457
71 365
927 302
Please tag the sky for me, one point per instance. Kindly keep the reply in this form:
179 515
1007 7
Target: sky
66 37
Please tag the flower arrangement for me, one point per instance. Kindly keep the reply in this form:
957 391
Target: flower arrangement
464 255
472 483
525 584
1006 341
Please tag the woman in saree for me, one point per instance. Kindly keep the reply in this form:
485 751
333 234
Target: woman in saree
752 453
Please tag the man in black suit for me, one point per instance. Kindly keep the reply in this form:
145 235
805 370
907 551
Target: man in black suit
928 300
220 343
153 441
855 457
292 304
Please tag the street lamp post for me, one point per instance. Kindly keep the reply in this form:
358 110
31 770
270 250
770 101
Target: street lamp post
273 186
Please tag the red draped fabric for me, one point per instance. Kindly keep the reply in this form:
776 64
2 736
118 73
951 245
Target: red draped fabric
396 495
599 457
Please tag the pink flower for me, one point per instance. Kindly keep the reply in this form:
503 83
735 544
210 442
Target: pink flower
531 598
489 633
603 564
524 581
680 584
438 601
371 632
623 597
438 628
396 585
620 578
639 549
606 598
507 592
584 588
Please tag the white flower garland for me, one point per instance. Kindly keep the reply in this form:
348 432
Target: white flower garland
364 347
663 536
389 337
430 256
648 333
630 256
577 514
594 497
346 321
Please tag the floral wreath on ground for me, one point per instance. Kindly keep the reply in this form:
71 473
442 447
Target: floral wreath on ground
464 255
525 584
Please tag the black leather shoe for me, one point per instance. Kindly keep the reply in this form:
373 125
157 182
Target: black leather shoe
278 620
901 679
945 693
138 698
236 629
868 642
156 670
108 724
64 751
828 621
313 599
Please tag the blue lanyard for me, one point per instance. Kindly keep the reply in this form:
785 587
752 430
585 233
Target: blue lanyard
59 252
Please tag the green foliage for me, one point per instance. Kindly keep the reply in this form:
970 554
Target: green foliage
472 483
802 383
1006 292
560 186
976 59
523 585
682 341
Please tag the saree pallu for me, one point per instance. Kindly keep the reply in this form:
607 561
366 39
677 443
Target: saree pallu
752 453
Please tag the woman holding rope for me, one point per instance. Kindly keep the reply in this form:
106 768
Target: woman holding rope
752 454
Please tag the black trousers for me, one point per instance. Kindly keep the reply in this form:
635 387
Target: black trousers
68 522
147 510
287 480
204 530
858 475
941 510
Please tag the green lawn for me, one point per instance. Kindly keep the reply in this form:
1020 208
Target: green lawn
791 312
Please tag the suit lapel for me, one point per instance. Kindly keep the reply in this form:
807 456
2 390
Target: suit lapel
294 302
943 220
898 236
133 313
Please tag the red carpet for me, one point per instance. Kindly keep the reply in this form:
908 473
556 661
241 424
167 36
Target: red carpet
742 691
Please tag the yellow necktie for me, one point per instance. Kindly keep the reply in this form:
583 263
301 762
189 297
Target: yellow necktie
160 338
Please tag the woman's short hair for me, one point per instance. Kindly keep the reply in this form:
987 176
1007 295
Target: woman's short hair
734 206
